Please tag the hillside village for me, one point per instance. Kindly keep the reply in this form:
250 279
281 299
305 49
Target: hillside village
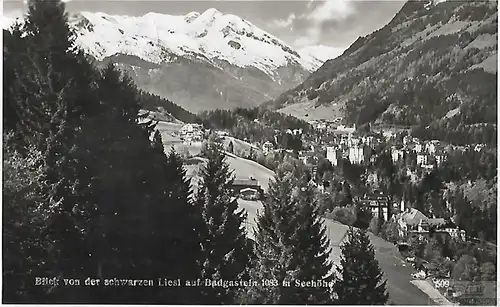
339 144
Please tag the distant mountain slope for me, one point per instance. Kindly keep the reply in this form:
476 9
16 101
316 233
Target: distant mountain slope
433 66
162 109
211 36
321 53
202 61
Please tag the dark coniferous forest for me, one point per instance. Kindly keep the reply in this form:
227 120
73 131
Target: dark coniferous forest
154 103
90 194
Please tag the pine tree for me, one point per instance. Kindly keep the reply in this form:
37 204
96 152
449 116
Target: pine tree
12 47
176 225
360 276
24 250
57 88
291 245
312 244
273 256
53 88
47 71
124 183
99 177
50 88
224 240
191 216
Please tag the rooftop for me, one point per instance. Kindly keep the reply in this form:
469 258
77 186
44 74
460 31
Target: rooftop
413 216
436 222
246 182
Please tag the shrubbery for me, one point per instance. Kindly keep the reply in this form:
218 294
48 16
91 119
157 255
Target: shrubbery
344 215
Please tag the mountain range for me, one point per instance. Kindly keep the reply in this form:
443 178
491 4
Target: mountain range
202 61
433 66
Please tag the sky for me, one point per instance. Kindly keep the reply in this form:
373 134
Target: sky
333 23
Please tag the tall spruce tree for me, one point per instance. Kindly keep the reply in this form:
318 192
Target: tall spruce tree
312 244
53 87
273 255
361 280
176 225
123 189
48 69
225 246
99 181
49 87
291 245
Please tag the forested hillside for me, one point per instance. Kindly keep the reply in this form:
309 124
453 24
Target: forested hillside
155 103
433 67
255 125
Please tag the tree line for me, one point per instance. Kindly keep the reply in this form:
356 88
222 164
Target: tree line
153 102
256 125
90 192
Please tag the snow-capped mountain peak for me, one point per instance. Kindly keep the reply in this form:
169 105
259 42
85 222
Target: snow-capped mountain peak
191 16
210 14
201 60
208 36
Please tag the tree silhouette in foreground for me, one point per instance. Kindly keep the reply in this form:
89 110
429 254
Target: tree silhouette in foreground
175 228
225 246
291 246
361 280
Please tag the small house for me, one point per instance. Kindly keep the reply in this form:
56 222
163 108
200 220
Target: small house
377 203
422 159
334 155
250 194
246 186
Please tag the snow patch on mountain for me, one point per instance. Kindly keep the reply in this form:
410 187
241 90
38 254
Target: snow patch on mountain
431 3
